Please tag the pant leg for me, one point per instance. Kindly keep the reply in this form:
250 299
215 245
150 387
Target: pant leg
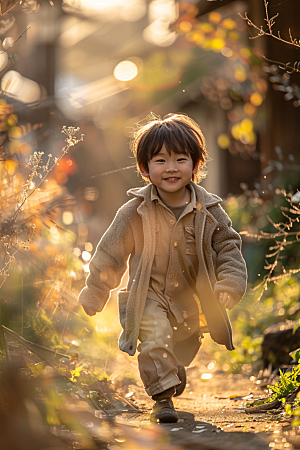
186 339
157 362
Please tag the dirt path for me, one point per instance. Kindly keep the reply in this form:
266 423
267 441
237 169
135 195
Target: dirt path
212 415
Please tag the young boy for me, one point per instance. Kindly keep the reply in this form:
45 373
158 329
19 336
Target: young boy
185 263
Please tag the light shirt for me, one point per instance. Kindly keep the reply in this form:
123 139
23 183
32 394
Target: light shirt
175 266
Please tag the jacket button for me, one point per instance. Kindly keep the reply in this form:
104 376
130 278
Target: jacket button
130 348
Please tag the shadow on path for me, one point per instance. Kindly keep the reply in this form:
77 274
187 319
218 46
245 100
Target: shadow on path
193 434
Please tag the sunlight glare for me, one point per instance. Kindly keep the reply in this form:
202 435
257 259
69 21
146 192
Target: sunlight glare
110 10
125 71
206 376
158 33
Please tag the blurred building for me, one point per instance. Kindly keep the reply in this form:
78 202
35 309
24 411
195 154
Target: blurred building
104 65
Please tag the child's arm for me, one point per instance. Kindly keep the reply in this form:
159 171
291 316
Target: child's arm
231 272
108 264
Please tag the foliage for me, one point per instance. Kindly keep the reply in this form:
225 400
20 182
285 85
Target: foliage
261 307
285 390
238 86
289 381
17 218
76 373
273 223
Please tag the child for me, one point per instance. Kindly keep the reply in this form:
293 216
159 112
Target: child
185 263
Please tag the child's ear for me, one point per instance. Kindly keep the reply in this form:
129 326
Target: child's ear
144 172
196 168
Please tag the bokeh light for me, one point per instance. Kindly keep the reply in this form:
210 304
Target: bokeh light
21 88
125 71
88 246
223 140
217 44
86 268
86 256
90 193
256 99
185 26
215 17
206 376
250 109
229 24
77 252
67 217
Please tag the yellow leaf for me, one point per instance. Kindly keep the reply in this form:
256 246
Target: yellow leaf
12 120
37 368
16 132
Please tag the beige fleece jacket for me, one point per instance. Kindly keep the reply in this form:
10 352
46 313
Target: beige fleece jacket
132 235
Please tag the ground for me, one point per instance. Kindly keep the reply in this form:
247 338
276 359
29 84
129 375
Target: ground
212 415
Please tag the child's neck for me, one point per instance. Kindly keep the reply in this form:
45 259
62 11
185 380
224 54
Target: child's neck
178 198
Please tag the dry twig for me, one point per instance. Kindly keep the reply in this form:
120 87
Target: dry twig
10 228
283 238
270 23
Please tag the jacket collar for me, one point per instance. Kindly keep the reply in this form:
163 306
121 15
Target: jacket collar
155 196
203 197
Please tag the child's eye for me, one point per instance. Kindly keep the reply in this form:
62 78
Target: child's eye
181 159
160 160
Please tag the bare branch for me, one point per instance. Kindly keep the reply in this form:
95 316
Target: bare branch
284 237
270 24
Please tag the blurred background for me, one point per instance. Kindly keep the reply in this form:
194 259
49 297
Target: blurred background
103 66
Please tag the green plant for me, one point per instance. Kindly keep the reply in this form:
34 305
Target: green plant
288 383
285 389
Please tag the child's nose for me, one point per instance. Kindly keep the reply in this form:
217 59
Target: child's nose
171 168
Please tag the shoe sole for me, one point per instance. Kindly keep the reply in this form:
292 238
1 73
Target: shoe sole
167 416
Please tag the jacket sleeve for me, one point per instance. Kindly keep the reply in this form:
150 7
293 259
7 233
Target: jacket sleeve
109 262
231 271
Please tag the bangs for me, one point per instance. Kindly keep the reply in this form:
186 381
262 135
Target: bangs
173 137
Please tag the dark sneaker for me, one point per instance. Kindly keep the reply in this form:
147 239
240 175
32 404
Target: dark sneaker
182 377
163 411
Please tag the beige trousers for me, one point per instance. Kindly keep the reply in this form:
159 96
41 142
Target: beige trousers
165 344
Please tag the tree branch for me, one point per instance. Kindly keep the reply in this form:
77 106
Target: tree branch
270 24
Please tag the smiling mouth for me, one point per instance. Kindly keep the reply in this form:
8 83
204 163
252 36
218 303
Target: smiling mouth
171 178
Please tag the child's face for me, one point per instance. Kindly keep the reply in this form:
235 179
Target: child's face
170 173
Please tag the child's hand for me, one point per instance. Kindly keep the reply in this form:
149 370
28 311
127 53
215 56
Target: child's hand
226 300
90 311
